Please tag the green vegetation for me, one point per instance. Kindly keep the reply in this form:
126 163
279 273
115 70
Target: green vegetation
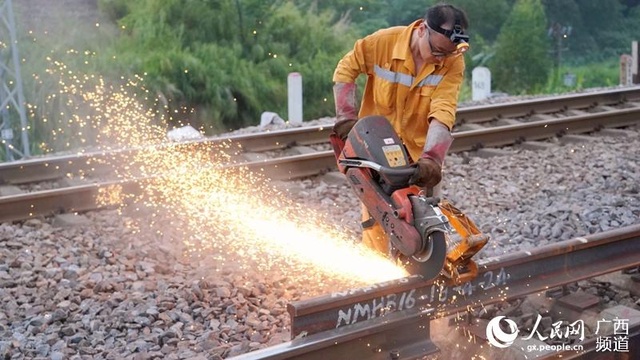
522 65
51 50
219 64
230 59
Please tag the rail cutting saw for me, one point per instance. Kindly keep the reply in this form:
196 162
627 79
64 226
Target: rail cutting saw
427 235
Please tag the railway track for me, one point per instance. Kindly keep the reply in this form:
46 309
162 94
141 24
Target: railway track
564 114
522 124
392 320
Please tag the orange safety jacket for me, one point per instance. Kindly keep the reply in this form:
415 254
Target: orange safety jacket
394 90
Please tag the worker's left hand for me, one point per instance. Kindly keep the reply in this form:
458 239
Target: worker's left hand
428 173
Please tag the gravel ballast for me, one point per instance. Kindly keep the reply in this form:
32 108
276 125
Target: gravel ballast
111 288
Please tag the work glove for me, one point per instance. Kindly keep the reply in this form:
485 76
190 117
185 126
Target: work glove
344 95
342 128
428 173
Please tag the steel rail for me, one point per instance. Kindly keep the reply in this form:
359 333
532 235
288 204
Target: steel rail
97 162
50 168
95 196
513 134
404 333
66 200
475 114
318 323
299 166
42 169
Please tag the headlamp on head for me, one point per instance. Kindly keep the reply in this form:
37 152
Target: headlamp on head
456 35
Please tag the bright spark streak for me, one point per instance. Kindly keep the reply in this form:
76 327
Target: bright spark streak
327 252
271 228
231 212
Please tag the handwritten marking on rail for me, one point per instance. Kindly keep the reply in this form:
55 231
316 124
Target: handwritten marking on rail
436 293
439 293
376 307
491 280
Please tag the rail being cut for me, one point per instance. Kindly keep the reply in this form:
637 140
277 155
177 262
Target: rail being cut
391 320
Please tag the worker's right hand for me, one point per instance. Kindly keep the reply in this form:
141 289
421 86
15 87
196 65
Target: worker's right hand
342 128
428 173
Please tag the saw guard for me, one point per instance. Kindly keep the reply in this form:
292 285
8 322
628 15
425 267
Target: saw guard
459 266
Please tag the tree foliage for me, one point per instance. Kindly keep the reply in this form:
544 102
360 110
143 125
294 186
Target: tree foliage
229 59
521 63
217 64
485 17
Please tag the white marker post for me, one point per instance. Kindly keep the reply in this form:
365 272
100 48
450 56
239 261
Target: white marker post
481 83
294 88
626 70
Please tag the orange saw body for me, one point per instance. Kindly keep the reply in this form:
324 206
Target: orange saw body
427 236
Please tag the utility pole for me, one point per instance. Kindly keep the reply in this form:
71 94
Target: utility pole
635 65
12 103
559 33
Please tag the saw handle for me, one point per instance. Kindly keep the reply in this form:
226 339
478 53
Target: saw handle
398 177
397 172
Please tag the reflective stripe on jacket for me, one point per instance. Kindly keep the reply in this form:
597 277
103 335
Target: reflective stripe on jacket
395 91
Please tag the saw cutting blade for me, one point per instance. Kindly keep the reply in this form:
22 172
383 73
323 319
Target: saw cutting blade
431 261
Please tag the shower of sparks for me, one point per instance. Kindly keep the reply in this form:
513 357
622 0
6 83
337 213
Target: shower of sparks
226 210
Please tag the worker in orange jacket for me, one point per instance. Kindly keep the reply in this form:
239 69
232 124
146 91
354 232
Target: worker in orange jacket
414 74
